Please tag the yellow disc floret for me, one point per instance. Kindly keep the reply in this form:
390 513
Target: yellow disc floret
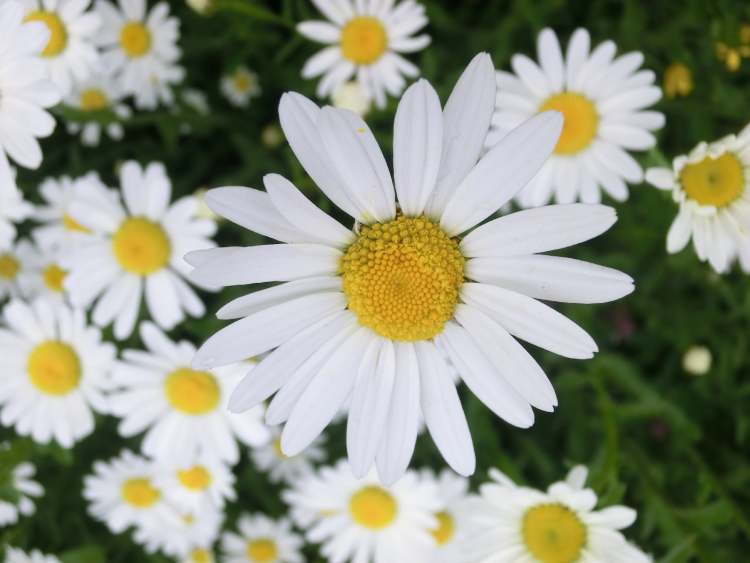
72 225
714 181
678 80
135 39
373 507
191 391
139 492
402 278
200 555
54 276
93 99
262 550
58 36
9 266
580 124
197 478
54 367
553 533
363 40
141 246
445 528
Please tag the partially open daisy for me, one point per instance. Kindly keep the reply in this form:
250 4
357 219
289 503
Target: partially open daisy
22 483
711 186
15 555
364 310
282 468
452 517
54 369
240 85
364 40
603 100
140 48
137 248
183 410
13 209
513 523
69 54
360 520
203 483
100 93
260 539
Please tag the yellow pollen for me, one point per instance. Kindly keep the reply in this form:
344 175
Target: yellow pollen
93 99
402 278
196 478
9 266
714 181
192 392
580 123
262 550
373 507
553 533
363 40
54 367
678 80
199 555
54 276
135 39
58 36
445 528
71 224
139 492
141 246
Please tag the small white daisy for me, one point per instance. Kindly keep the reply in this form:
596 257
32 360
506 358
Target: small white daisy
352 96
70 54
262 540
711 186
240 86
15 555
603 100
141 49
192 486
282 468
512 523
182 532
42 275
199 555
24 90
15 266
101 92
13 209
453 493
364 39
138 249
183 411
54 369
22 483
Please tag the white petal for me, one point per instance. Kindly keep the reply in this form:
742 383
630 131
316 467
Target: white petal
320 31
662 178
576 55
531 75
680 232
550 57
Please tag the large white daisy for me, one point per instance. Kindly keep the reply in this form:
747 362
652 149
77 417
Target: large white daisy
282 468
69 54
364 39
101 92
711 186
15 555
365 309
137 248
262 540
183 411
54 369
513 524
13 209
21 481
603 100
25 91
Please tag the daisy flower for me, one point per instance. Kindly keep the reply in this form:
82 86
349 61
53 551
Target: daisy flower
193 486
711 186
43 276
54 369
13 209
364 39
141 50
351 96
199 555
603 100
101 92
183 411
513 523
281 468
15 264
359 520
69 54
452 491
240 86
262 540
182 532
15 555
26 488
24 90
137 248
369 313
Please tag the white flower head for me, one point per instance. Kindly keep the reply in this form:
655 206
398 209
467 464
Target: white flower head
697 360
100 92
15 555
21 480
15 268
203 483
352 96
240 85
260 539
452 518
42 275
281 468
13 209
182 533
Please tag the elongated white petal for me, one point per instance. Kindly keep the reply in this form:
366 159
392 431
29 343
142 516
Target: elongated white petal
660 177
551 59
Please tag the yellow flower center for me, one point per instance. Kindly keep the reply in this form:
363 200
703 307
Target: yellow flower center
135 39
553 533
276 445
58 35
402 278
71 224
373 507
714 181
363 40
199 555
580 121
54 276
191 391
141 246
139 492
242 82
262 550
93 99
9 266
54 367
445 528
678 80
197 478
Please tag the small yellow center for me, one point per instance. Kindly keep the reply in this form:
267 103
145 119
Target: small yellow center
445 528
402 278
553 533
141 246
580 123
93 99
58 35
714 181
363 40
72 225
54 276
197 478
9 266
373 507
199 555
262 550
276 445
139 492
192 392
678 80
242 82
54 367
135 39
